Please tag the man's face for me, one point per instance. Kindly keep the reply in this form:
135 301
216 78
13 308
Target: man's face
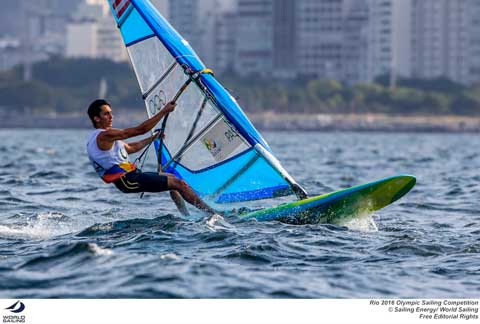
104 120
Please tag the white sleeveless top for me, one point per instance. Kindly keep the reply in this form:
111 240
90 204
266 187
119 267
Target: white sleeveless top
115 159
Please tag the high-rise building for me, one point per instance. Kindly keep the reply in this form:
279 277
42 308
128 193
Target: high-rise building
10 52
254 39
196 21
225 41
440 44
183 15
320 38
473 41
355 48
101 3
284 38
10 22
93 33
389 39
221 36
81 40
349 40
162 6
208 11
352 40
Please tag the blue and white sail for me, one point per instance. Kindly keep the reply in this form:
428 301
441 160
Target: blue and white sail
209 142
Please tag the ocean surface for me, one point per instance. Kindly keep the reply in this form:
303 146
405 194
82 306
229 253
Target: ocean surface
65 234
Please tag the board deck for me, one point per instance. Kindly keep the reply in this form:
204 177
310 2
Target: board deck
338 206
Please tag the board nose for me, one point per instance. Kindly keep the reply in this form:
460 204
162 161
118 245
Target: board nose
408 182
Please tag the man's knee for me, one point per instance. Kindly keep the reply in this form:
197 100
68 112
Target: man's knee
177 184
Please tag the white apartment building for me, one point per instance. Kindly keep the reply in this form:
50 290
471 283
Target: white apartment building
254 38
162 6
349 40
355 46
183 15
81 40
285 42
208 11
225 44
353 40
320 38
110 44
93 33
441 40
218 34
10 53
10 24
389 38
359 40
196 21
473 41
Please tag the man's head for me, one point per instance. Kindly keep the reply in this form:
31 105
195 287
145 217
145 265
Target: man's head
100 113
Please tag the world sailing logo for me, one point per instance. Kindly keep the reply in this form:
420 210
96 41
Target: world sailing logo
16 308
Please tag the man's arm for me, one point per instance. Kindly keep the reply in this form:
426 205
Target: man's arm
105 139
137 146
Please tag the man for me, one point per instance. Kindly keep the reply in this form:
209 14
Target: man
108 154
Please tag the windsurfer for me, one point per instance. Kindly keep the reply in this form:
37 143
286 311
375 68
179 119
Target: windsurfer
108 154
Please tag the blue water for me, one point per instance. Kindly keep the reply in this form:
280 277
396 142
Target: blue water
63 233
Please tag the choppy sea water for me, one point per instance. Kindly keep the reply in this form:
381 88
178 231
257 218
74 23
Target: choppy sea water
63 233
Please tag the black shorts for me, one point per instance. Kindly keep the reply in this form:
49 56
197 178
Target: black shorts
138 181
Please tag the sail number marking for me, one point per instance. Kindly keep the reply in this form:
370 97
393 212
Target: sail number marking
230 135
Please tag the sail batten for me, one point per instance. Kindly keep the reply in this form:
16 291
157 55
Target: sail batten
215 149
160 80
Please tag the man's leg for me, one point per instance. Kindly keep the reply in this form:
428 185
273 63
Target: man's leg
177 198
179 202
188 194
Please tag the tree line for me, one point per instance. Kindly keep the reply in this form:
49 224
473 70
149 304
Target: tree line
68 85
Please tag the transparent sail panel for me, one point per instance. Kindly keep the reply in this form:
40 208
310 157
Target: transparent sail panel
150 60
219 142
181 120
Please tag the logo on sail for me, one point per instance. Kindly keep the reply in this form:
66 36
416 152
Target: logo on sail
221 141
210 144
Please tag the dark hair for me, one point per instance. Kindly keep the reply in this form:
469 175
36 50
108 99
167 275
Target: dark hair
95 110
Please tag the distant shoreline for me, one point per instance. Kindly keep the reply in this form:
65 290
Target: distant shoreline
272 121
367 122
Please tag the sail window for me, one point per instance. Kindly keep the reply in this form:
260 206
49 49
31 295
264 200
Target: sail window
160 80
150 60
